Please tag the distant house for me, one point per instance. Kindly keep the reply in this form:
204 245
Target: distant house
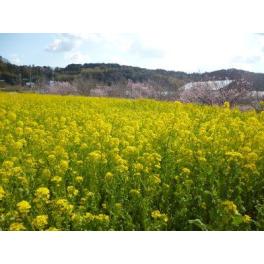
259 94
30 84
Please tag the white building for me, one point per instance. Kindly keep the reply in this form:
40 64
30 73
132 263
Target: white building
213 85
30 84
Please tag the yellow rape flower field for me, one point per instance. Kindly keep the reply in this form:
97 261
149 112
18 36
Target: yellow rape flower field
76 163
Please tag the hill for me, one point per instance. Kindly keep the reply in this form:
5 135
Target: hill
118 80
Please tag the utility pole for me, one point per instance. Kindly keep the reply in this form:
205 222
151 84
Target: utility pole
30 74
30 83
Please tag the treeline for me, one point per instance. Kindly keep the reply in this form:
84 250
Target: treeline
19 75
110 75
107 74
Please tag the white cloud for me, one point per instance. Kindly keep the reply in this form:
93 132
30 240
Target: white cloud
138 48
64 43
121 41
168 50
204 51
77 57
247 59
83 36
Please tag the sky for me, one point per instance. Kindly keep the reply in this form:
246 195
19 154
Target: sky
189 52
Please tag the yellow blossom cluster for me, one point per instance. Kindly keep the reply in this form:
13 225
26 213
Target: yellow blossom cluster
76 163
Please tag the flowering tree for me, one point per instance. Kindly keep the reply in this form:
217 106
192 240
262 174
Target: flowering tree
234 92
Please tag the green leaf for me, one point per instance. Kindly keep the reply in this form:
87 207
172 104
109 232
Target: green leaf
198 223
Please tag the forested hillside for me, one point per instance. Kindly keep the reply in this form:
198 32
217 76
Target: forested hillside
85 77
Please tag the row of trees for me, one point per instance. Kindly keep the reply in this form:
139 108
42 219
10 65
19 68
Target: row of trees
239 92
99 79
19 75
124 89
87 76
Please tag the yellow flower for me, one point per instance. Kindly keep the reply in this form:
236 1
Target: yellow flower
23 180
17 227
20 123
79 162
64 165
28 130
118 205
156 179
108 176
130 151
56 179
230 207
252 156
11 116
186 171
42 193
247 219
23 207
46 173
138 166
96 155
2 193
156 214
64 206
233 155
7 164
67 151
134 192
19 131
17 171
89 194
72 191
59 151
251 166
89 217
51 158
40 222
226 105
79 179
102 218
83 146
3 150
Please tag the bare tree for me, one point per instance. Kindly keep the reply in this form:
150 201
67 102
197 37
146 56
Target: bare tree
84 86
119 89
63 88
